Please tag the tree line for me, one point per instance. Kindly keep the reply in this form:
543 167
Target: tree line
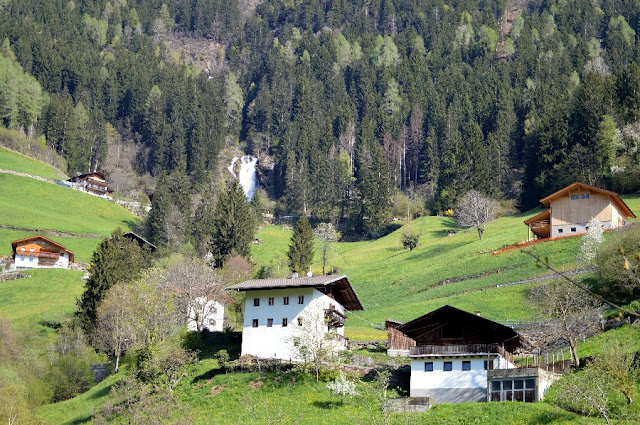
351 101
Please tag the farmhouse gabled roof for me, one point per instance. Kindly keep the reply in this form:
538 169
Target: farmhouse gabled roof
577 186
85 175
339 286
14 244
443 315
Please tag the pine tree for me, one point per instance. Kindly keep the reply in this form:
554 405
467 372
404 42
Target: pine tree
115 260
300 252
234 225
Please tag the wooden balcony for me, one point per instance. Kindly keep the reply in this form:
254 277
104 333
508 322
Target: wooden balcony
458 349
334 317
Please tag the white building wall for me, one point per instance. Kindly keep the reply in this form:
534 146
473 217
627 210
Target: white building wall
453 386
31 262
214 315
575 229
277 341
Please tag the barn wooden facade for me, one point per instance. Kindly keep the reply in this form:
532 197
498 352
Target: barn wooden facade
570 210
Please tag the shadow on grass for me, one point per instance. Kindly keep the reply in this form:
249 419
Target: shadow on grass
208 375
82 420
328 404
101 393
436 250
553 417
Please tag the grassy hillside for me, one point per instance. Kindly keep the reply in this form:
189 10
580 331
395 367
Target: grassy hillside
11 160
47 295
209 396
396 283
31 203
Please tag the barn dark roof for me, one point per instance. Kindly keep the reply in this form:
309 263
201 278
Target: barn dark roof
142 242
338 286
476 329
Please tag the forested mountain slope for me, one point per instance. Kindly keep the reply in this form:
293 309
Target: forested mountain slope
350 100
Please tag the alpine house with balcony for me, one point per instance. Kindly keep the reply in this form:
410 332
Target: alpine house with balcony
570 210
459 357
276 311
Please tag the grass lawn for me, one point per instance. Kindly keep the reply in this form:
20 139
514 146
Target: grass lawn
10 160
47 295
26 202
82 247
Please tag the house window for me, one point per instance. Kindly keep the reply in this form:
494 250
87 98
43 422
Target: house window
574 197
256 302
23 249
270 301
573 229
31 259
560 230
31 249
488 365
300 299
447 366
585 196
285 322
285 300
269 323
466 365
255 323
299 321
523 389
428 366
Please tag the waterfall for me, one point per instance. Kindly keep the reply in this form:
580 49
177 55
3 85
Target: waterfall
247 174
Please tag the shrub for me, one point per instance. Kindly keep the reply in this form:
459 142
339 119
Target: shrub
69 376
410 240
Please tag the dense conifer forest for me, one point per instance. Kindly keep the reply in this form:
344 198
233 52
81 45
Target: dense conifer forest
352 102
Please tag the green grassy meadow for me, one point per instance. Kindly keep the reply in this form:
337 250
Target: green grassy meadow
393 282
10 160
30 203
49 295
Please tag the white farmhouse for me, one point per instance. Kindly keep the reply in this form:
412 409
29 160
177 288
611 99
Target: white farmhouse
275 310
40 252
458 357
211 312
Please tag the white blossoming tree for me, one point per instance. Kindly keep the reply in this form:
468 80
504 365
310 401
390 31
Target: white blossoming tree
342 387
591 242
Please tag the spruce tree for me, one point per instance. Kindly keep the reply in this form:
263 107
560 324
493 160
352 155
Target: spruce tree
234 225
116 259
300 252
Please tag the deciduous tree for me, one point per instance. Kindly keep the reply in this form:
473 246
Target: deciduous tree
476 210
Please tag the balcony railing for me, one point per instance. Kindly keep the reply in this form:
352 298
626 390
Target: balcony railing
445 350
334 317
541 223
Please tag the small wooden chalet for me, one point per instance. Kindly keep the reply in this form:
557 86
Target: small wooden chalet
38 252
570 210
94 183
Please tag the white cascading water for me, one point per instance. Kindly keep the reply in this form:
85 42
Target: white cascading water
247 174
